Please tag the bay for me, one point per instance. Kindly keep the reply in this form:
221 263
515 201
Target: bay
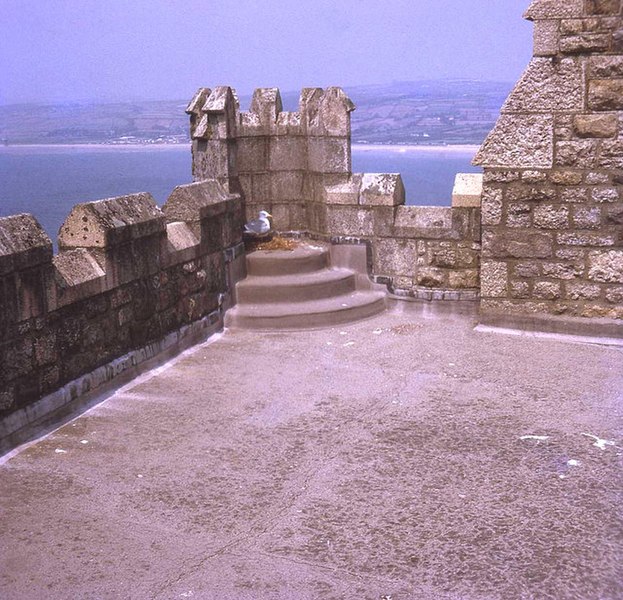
48 180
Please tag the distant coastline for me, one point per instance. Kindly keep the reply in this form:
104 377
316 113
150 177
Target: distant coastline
399 148
94 146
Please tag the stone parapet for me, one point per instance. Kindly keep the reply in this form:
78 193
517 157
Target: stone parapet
416 250
297 165
273 158
127 275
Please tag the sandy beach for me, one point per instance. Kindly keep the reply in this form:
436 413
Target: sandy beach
454 149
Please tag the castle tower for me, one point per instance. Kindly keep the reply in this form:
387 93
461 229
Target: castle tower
552 206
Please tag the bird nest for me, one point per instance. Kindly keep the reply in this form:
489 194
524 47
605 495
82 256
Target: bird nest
277 243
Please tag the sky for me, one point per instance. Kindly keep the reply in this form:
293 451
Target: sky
117 50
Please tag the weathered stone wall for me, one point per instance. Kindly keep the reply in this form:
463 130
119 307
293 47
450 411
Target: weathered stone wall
297 165
278 160
552 205
127 274
421 251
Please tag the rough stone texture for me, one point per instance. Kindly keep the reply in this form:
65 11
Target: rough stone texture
564 215
606 267
467 190
606 94
606 66
123 279
554 9
603 7
599 126
526 140
548 86
298 167
493 278
584 43
546 38
382 189
23 243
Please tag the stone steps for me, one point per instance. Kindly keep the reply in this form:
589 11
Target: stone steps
299 289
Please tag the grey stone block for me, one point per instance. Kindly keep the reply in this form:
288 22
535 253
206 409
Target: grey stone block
252 154
585 43
546 38
335 108
23 243
606 66
344 193
606 266
286 185
350 221
578 154
519 244
112 221
548 216
431 278
585 239
266 104
287 154
547 290
425 222
382 189
196 201
605 94
596 126
492 206
395 257
519 141
554 9
329 155
493 279
467 191
603 7
548 86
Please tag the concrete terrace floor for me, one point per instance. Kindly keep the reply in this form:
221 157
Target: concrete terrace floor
382 459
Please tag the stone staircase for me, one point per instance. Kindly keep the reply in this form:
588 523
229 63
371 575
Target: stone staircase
301 289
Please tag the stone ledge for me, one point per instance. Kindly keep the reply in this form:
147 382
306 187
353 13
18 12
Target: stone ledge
90 389
595 330
23 243
111 222
467 192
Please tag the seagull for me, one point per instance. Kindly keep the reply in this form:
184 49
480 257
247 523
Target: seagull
260 226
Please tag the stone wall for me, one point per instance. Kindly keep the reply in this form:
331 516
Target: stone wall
127 275
552 205
297 165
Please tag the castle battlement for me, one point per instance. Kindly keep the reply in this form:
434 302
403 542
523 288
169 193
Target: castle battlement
537 243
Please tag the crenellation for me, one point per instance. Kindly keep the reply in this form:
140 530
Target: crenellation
538 236
266 104
124 278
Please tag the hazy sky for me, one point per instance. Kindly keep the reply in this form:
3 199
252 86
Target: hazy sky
57 50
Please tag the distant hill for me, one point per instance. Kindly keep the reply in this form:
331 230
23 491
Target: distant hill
423 112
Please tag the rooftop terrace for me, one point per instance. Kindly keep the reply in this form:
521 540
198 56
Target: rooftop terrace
404 456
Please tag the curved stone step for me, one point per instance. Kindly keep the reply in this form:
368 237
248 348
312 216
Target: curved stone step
303 259
297 287
306 315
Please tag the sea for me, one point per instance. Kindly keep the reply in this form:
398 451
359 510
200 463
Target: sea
47 181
